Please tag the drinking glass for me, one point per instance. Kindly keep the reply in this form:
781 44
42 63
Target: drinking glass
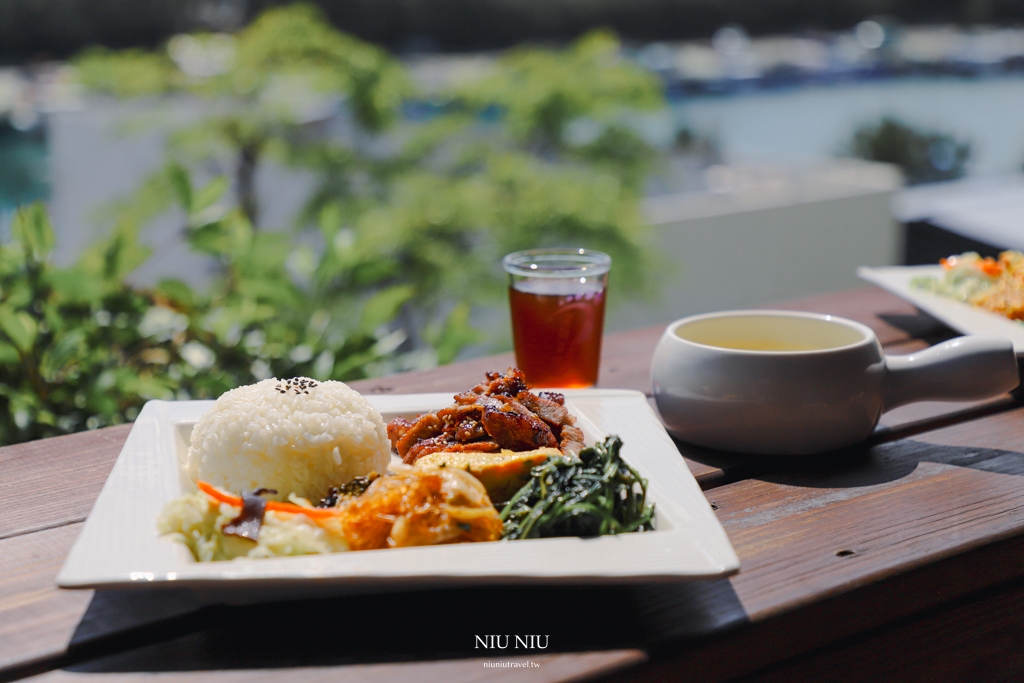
557 300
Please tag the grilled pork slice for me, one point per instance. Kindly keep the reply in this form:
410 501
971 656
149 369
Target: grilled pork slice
510 384
426 427
398 428
514 427
572 441
555 414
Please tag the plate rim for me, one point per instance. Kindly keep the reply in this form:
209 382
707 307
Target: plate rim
686 511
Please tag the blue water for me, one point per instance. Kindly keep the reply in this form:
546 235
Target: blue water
807 123
23 168
802 124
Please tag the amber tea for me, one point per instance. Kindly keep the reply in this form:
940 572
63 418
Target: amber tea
557 300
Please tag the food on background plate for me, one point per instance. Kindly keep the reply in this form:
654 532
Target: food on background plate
996 285
285 443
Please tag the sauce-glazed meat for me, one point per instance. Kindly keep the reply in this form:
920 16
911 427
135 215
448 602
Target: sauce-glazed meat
553 413
499 413
514 427
510 384
417 450
470 430
425 428
553 396
398 428
572 440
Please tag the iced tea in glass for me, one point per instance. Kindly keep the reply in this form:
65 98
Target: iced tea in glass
557 297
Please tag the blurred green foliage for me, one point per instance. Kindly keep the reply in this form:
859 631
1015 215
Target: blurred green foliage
923 156
80 349
400 238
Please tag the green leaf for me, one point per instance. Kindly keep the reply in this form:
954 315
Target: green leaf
229 236
20 293
182 185
383 306
8 354
456 334
74 285
145 386
122 255
19 327
330 221
31 228
177 291
11 260
61 355
209 239
131 73
213 191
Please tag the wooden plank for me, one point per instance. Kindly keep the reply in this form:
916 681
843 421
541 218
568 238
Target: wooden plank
39 622
626 359
833 548
536 669
714 468
841 523
978 639
36 618
836 539
772 643
53 482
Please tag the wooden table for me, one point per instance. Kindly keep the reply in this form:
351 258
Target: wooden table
899 559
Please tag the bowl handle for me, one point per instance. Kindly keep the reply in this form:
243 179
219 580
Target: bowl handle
962 369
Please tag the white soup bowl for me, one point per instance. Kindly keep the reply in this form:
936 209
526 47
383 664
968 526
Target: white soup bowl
785 382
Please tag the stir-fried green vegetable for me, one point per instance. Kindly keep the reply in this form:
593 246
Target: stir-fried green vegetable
595 495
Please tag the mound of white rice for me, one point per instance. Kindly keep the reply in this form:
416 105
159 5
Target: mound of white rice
296 436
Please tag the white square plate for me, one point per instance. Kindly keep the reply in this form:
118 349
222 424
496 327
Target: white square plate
119 546
960 316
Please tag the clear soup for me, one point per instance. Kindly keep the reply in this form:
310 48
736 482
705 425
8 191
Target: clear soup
769 333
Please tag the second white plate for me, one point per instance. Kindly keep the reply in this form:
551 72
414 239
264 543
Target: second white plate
960 316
